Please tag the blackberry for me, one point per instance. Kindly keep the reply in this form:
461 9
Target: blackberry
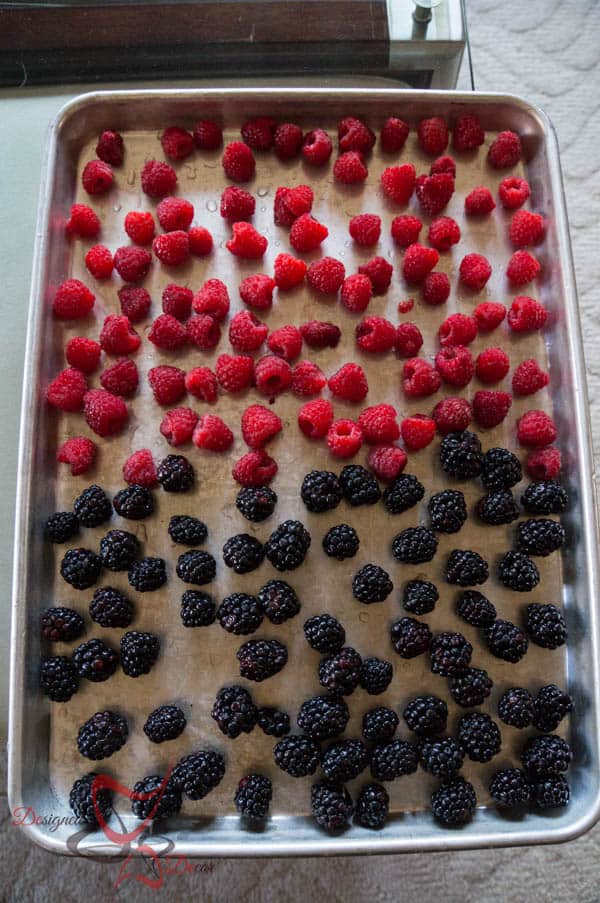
196 567
545 755
479 736
92 507
256 503
460 455
324 633
518 572
551 793
344 760
155 806
441 756
419 597
466 568
321 491
58 678
331 806
471 688
371 584
506 641
147 574
240 613
410 637
454 802
287 545
447 511
546 497
403 493
80 568
450 654
379 724
187 531
95 661
540 536
516 707
167 722
474 608
497 508
273 722
375 675
393 760
372 806
510 788
61 625
261 659
426 715
243 553
501 469
134 502
340 673
414 545
323 717
119 549
82 802
545 625
102 735
234 711
341 542
198 609
139 652
253 796
278 601
297 755
62 526
175 474
199 773
551 705
359 486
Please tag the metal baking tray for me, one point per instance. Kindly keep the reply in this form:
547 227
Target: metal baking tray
43 760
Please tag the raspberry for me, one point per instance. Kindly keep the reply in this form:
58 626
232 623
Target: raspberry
167 384
83 222
177 143
467 133
158 179
201 382
349 168
492 365
234 373
365 229
83 354
177 426
254 469
394 133
529 378
175 214
436 289
97 177
356 292
286 342
290 203
110 147
344 438
526 228
455 365
418 262
288 271
203 331
443 233
104 413
259 425
246 242
489 315
349 383
208 134
246 332
132 264
398 182
522 268
490 408
272 375
379 271
378 424
307 379
258 133
387 461
327 275
121 378
405 230
535 429
238 162
443 164
433 135
287 140
212 299
177 301
315 418
200 240
544 464
139 469
417 431
72 300
408 339
317 147
135 302
79 452
354 135
139 226
526 314
505 151
419 379
167 333
237 204
212 434
458 329
172 248
434 192
479 202
319 334
118 336
513 192
257 291
452 415
474 271
375 334
405 306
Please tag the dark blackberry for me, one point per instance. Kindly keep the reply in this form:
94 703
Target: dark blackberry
287 545
95 661
61 625
466 568
540 536
279 601
551 793
198 609
261 659
506 641
92 507
321 491
234 711
253 796
460 455
375 675
155 806
324 633
410 637
546 497
341 542
393 760
331 806
176 474
414 545
479 736
371 584
501 469
82 802
450 654
518 572
403 493
119 549
102 735
545 625
134 502
199 773
167 722
243 553
359 486
510 788
240 613
256 503
454 802
80 568
379 724
61 527
323 717
419 597
441 756
474 608
344 760
147 574
551 705
273 722
516 707
545 755
297 755
58 678
497 508
340 673
471 688
139 652
447 511
372 806
426 715
196 567
186 530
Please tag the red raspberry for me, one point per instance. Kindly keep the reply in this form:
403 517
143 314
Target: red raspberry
208 134
307 233
288 271
317 147
202 383
387 461
177 143
201 241
258 133
290 203
83 354
513 192
417 431
319 334
167 384
234 373
479 202
99 262
212 434
406 306
526 314
375 334
121 378
106 414
443 164
272 375
379 271
349 169
158 179
139 226
135 302
79 452
66 391
203 331
354 135
110 147
246 242
177 301
393 135
356 292
344 438
443 233
132 264
168 333
467 133
238 162
326 275
172 248
452 415
378 424
474 271
405 230
398 182
307 379
349 383
458 329
526 228
260 425
408 339
455 365
213 299
177 426
505 151
257 291
419 378
139 468
529 378
72 300
97 177
490 408
522 268
255 468
246 332
418 262
544 464
433 135
118 336
436 289
434 192
237 204
175 214
489 315
492 365
83 222
315 418
365 229
287 140
286 342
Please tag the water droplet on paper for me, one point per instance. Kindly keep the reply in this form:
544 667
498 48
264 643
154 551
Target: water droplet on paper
190 171
277 243
262 192
211 206
263 209
363 617
131 177
116 208
347 243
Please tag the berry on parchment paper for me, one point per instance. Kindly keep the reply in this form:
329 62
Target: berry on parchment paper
418 262
118 336
436 289
272 375
529 378
177 143
513 192
97 177
492 365
535 429
317 147
505 150
544 464
320 334
443 233
417 431
67 390
255 468
479 201
433 135
379 271
139 226
344 438
467 133
445 163
315 418
490 408
394 133
375 335
405 230
458 329
246 242
387 461
288 271
434 192
290 203
526 314
83 222
355 135
326 275
237 204
121 378
212 298
208 134
238 162
522 268
398 182
307 379
139 468
174 213
356 292
365 229
200 241
167 383
177 301
247 332
132 263
489 315
172 248
158 179
526 228
379 424
234 372
135 302
287 140
168 333
452 415
202 383
286 342
212 433
474 271
455 365
419 378
110 147
72 301
79 452
408 339
177 426
349 168
257 291
83 354
106 414
260 425
349 383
